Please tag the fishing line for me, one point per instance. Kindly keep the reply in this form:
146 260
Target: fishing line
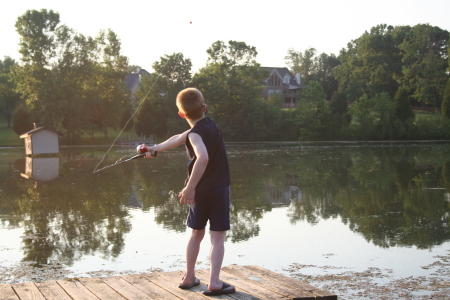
135 111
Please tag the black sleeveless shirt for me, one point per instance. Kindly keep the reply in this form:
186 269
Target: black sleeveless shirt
217 172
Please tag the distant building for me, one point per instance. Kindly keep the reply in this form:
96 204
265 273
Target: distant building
41 140
282 81
133 79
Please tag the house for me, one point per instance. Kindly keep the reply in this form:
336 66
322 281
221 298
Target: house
41 140
133 79
282 81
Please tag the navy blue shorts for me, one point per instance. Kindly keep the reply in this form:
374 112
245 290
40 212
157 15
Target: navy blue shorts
213 205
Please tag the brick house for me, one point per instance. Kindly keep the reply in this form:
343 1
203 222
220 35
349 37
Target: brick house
282 81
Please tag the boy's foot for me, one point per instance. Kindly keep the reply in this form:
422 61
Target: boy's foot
226 289
188 286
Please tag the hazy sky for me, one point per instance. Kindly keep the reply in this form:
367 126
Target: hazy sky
149 29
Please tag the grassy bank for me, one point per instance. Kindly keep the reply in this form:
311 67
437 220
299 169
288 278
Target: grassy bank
8 138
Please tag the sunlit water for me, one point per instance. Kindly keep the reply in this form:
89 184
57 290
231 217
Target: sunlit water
347 206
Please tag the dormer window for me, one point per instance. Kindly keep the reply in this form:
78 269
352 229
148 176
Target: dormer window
286 79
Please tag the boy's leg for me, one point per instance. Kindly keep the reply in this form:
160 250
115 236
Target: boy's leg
216 258
192 250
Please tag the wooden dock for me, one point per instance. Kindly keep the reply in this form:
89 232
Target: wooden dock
251 282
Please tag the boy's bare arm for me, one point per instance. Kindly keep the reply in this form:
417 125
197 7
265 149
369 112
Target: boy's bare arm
170 143
187 194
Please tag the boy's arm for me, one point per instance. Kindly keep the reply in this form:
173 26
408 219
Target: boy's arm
188 193
170 143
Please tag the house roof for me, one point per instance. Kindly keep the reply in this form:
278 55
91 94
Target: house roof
133 80
28 133
282 72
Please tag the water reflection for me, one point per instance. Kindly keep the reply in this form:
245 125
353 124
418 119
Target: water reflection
393 195
41 169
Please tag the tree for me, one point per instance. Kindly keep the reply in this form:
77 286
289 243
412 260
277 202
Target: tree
153 112
445 106
339 112
314 67
70 82
21 120
311 113
146 120
424 63
301 62
375 117
323 73
371 63
231 83
112 96
127 122
403 110
174 68
9 98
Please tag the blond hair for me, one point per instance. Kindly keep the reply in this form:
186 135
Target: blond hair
190 103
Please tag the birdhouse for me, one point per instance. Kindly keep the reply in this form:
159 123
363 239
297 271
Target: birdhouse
41 140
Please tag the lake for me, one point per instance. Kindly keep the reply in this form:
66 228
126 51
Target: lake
301 209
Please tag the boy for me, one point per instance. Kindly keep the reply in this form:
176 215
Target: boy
206 189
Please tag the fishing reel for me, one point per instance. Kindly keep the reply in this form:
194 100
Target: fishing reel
141 149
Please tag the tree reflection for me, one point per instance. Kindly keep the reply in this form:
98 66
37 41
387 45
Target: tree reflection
79 214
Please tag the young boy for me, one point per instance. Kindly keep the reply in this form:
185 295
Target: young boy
207 188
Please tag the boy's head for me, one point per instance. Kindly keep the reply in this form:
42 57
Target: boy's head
191 104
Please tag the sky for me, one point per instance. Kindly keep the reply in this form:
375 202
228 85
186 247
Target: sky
150 29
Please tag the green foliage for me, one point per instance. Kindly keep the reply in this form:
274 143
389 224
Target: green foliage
174 68
70 82
301 62
339 103
158 113
147 120
312 115
424 63
231 83
127 122
21 120
445 106
370 63
9 98
403 110
314 68
276 99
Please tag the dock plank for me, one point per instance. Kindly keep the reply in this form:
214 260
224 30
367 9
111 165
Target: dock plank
27 291
52 291
148 287
101 289
126 289
176 277
7 292
300 285
172 287
76 290
244 290
266 282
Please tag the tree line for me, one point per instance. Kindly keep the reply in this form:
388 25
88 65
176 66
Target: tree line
75 84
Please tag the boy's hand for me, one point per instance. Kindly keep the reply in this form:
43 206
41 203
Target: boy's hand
187 196
148 154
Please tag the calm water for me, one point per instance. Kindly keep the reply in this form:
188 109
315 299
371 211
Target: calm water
343 205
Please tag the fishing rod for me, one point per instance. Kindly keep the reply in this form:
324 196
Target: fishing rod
141 153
